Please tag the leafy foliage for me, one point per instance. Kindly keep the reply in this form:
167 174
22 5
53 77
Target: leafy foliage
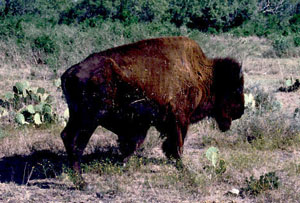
290 85
45 43
56 32
124 10
212 16
258 101
268 181
282 45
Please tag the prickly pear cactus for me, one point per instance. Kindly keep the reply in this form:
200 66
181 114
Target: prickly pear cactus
290 85
31 105
249 101
213 155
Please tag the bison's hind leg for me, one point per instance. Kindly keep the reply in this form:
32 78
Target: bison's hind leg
75 137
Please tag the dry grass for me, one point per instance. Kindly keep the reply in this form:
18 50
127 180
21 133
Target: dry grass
32 160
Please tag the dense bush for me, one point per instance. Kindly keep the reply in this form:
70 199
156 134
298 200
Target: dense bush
214 15
45 43
124 10
268 181
282 45
211 15
56 31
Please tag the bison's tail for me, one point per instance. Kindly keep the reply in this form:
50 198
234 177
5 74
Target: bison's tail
66 82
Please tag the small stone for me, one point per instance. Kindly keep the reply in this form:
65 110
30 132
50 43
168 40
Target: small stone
234 191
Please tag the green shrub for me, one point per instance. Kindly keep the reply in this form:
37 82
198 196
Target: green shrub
297 40
260 102
259 26
282 45
103 167
263 125
295 23
128 12
3 133
46 43
268 181
60 33
214 15
13 28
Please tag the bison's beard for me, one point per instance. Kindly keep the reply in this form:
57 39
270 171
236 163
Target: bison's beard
224 123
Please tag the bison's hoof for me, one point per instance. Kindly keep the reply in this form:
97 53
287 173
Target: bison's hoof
82 185
79 182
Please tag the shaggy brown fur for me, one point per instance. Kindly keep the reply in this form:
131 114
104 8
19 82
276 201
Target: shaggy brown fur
165 82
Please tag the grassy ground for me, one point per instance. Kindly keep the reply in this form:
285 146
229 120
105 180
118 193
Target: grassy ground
32 160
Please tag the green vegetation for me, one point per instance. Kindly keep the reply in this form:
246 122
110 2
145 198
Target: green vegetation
263 125
218 165
103 167
268 181
264 102
290 85
60 32
28 104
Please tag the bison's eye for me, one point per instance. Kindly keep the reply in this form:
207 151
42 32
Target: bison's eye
238 91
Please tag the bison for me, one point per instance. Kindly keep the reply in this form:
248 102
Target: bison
167 83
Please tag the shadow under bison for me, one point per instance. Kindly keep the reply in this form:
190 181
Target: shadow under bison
44 164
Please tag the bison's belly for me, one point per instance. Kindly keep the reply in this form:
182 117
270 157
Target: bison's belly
134 115
129 107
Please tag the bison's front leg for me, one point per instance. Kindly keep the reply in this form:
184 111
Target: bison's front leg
173 145
75 137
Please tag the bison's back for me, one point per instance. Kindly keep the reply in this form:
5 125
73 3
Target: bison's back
169 71
162 67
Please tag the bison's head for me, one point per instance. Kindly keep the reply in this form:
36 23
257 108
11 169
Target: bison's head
229 96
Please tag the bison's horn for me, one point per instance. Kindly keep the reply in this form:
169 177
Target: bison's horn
241 73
